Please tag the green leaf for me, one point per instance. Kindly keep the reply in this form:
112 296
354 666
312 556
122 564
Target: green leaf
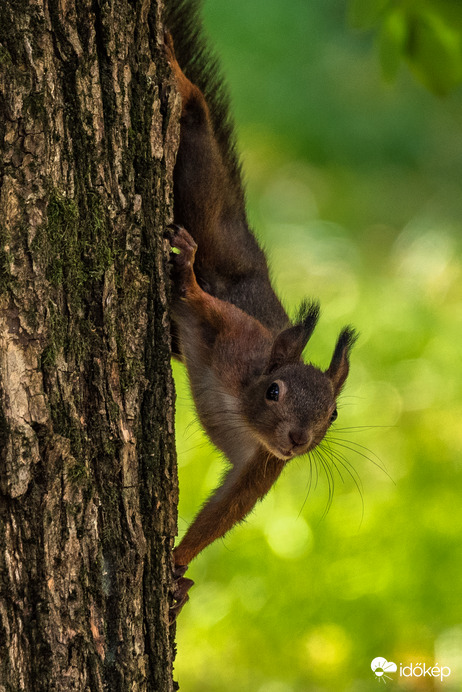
434 52
449 10
392 42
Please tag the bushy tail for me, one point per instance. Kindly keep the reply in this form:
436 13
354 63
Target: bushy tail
184 21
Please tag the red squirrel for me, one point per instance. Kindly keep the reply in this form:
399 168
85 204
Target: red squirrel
259 403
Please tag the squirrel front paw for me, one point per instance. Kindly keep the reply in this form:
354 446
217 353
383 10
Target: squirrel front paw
183 241
181 586
183 261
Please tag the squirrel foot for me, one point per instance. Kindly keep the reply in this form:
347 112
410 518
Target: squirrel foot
184 260
181 586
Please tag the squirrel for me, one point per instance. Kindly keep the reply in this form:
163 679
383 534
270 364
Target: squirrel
259 403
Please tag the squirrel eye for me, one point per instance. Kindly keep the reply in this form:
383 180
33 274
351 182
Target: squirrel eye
334 415
272 393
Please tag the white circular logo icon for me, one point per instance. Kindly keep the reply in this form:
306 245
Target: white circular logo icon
381 667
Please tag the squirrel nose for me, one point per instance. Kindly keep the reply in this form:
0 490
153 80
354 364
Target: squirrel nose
298 437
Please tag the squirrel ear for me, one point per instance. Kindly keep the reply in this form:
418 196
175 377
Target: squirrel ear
289 344
339 366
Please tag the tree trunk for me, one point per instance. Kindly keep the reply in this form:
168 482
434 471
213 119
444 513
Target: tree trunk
88 486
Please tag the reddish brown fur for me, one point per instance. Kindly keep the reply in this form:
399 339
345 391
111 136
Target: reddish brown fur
229 263
236 339
237 343
218 516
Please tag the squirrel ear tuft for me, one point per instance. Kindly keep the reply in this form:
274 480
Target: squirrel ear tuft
289 344
307 317
339 366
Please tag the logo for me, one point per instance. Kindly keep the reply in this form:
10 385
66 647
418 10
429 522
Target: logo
380 667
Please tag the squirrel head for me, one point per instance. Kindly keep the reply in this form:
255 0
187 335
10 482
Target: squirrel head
291 405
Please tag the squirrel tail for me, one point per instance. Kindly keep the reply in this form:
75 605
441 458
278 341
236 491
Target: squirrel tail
199 63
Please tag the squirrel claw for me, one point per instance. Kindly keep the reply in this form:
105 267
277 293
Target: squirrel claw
179 571
170 231
168 235
181 587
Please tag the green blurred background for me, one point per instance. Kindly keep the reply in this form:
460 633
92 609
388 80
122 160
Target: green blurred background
354 188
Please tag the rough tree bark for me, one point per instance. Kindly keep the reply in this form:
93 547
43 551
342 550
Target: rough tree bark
88 487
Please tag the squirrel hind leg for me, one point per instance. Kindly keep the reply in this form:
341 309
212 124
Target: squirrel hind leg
183 241
183 261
